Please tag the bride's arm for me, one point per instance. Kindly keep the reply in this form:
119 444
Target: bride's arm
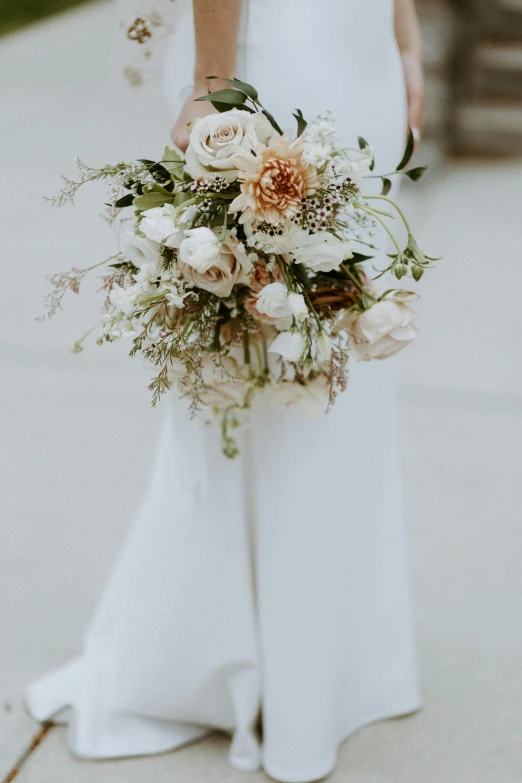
216 24
409 38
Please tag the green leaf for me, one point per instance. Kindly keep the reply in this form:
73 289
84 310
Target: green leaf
124 201
154 198
301 122
173 162
244 87
415 174
299 272
386 186
272 121
222 107
408 152
229 97
180 197
362 143
358 258
170 155
158 171
367 300
414 251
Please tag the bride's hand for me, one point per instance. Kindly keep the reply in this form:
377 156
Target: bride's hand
216 25
192 109
409 38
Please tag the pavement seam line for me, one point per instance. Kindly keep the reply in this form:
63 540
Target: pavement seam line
28 752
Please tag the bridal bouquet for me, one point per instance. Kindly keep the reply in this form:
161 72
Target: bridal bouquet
244 268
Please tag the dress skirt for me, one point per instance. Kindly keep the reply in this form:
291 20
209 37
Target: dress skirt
274 584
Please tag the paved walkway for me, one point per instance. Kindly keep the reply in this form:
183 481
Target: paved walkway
78 435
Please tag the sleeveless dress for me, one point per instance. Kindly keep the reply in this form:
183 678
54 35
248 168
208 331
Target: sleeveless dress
276 583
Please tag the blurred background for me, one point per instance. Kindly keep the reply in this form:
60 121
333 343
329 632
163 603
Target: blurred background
78 434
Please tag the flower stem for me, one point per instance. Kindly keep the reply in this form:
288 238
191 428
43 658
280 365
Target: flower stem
395 206
370 211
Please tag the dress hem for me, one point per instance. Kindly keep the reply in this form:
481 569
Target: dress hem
326 770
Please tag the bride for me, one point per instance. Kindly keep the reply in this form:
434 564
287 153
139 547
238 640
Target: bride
274 585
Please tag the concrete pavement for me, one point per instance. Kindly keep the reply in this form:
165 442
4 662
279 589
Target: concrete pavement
77 437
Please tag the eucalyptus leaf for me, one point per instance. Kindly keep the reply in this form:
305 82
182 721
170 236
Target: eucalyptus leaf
415 174
180 197
153 199
386 186
230 97
408 152
244 87
222 107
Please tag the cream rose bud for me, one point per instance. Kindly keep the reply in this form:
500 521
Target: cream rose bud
321 252
200 249
383 330
216 138
290 345
160 225
297 306
272 300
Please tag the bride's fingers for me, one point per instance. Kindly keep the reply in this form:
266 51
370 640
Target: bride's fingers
416 103
416 97
180 137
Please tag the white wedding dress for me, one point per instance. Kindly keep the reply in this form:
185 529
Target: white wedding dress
275 582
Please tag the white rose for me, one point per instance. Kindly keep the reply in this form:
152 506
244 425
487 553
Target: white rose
216 138
187 215
275 302
272 300
290 345
321 252
200 249
140 250
297 306
383 330
229 267
160 225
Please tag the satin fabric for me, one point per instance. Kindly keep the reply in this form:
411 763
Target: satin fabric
275 583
